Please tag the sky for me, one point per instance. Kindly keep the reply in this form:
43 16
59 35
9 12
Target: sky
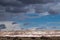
32 14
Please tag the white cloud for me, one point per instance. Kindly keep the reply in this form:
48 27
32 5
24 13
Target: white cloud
9 26
44 14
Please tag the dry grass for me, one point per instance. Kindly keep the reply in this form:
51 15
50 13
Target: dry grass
29 38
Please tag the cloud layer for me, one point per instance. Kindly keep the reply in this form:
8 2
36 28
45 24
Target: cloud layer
22 9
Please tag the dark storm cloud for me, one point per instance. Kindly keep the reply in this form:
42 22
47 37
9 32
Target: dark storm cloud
30 1
15 9
12 8
10 3
37 1
2 26
17 6
8 7
52 12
